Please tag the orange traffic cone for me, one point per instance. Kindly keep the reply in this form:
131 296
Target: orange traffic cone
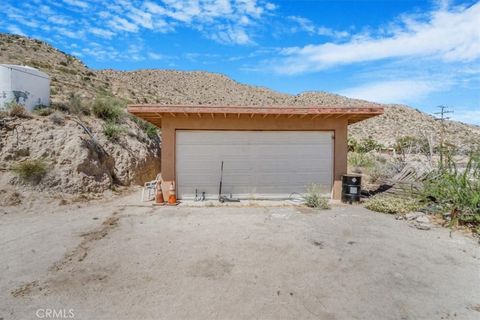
159 194
172 198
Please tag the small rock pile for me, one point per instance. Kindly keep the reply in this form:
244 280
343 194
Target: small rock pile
417 220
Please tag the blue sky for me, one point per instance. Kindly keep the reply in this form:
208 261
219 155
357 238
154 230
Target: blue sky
420 53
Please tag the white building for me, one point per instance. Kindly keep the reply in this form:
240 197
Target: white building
23 85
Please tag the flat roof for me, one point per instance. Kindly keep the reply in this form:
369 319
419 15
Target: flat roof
26 69
154 112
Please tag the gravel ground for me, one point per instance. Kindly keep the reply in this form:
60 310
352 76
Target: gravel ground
121 260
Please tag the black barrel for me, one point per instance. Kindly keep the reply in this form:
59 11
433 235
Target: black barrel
351 187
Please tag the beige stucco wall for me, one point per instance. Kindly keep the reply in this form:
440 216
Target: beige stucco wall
170 124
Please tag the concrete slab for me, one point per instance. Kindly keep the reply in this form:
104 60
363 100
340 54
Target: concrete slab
121 260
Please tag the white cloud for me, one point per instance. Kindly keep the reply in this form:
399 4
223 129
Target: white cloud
46 10
73 34
77 54
15 30
107 34
467 116
225 21
306 25
59 20
100 52
232 35
141 18
154 8
122 24
394 91
77 3
270 6
448 35
155 56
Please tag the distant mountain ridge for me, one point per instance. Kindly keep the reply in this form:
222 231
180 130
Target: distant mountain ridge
70 75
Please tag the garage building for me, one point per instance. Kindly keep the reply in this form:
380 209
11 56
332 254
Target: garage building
267 152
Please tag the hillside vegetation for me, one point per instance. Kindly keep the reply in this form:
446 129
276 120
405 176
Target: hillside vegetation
72 76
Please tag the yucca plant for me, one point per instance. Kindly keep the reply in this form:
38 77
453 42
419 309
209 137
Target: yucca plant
456 190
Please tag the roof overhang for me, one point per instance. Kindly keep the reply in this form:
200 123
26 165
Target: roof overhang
155 113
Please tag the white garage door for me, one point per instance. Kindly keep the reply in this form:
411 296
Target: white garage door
257 164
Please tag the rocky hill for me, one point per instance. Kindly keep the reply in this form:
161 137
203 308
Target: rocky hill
400 121
74 147
72 76
68 74
177 87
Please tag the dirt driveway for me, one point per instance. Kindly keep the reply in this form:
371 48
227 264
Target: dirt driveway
118 260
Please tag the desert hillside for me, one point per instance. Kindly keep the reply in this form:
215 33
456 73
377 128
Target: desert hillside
72 76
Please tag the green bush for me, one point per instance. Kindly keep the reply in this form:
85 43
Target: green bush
31 170
456 190
409 144
392 204
367 145
314 199
112 131
352 144
149 129
380 171
42 110
363 160
108 108
76 106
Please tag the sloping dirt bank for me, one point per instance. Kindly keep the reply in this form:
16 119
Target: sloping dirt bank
79 158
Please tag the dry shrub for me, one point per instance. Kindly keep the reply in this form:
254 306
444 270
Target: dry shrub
17 110
31 171
314 199
8 198
57 118
42 110
362 160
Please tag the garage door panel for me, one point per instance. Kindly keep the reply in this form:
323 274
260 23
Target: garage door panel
257 164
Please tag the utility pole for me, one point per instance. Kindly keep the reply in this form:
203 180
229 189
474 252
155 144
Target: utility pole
442 117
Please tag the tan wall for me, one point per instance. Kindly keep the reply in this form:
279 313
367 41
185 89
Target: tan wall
232 122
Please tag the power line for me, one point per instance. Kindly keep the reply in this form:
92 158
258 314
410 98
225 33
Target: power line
443 116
